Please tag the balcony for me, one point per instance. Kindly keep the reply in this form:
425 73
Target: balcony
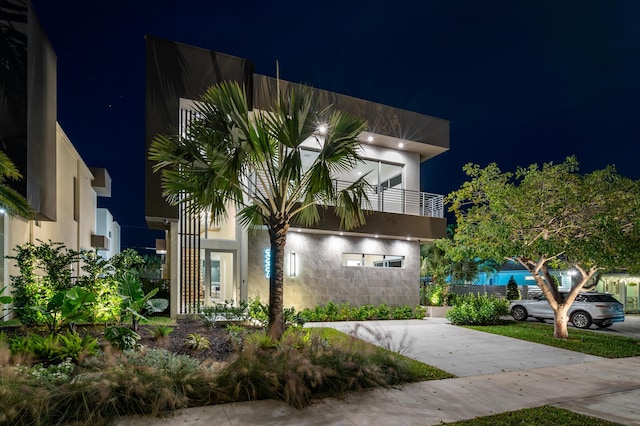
423 214
402 201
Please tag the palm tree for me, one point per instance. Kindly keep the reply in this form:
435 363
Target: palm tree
10 200
253 160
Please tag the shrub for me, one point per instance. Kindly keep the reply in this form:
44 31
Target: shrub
478 310
74 347
160 332
513 292
104 388
436 294
98 279
258 311
403 312
55 374
166 362
303 365
226 311
345 312
196 342
237 334
123 338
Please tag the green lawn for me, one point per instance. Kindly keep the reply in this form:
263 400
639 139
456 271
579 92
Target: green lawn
584 341
417 370
539 416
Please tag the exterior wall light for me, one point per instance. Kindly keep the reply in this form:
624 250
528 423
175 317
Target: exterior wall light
292 264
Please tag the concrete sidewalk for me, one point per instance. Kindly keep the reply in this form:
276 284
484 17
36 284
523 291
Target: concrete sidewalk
496 374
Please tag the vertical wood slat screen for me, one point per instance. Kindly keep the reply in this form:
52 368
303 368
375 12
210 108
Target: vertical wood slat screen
191 286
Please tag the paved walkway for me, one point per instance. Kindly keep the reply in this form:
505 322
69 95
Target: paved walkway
495 374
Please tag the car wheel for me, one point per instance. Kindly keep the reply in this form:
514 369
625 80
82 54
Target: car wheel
519 313
581 319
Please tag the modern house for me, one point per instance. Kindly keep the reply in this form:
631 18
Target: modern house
57 183
375 263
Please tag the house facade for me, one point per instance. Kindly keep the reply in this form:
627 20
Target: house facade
215 262
623 286
57 183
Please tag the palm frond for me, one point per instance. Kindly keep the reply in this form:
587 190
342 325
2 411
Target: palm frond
351 204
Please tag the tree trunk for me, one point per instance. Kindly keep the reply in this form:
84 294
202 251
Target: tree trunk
278 239
560 321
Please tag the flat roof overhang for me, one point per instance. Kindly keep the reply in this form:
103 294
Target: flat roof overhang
382 225
420 133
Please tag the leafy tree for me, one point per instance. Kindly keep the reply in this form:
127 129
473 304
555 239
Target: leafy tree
253 160
128 260
10 200
550 216
434 263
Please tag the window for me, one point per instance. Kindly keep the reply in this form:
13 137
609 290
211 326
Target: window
76 204
372 260
378 173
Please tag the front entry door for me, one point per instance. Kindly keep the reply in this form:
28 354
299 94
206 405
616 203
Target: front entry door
218 276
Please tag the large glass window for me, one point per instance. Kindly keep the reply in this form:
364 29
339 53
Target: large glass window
378 173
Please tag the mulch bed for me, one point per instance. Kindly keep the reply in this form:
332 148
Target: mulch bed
221 347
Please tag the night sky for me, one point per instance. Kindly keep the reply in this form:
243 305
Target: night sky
520 81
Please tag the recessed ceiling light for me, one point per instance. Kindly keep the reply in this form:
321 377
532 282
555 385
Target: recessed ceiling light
370 139
342 233
376 235
400 145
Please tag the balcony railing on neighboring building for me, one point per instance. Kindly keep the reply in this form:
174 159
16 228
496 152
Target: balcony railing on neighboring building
394 200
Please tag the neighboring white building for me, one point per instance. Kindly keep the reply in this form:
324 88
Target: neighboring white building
106 226
376 263
57 183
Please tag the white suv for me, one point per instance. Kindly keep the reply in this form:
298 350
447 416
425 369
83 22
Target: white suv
590 307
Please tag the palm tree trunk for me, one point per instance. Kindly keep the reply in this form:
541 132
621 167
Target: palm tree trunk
278 239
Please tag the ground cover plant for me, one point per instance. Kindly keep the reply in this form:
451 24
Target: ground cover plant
162 375
584 341
546 415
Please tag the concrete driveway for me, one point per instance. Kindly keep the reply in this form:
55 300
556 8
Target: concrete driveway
458 350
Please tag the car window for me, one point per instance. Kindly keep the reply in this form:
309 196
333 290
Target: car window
602 298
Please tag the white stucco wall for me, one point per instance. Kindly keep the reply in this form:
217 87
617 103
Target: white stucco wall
74 234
